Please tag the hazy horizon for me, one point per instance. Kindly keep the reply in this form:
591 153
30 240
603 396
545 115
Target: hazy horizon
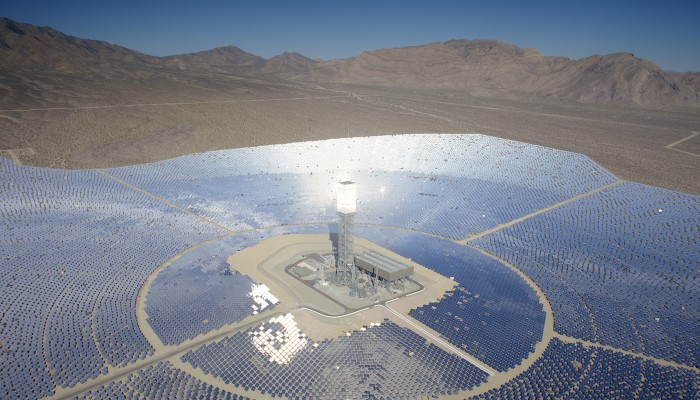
329 31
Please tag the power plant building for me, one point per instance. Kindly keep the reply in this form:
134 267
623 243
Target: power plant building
384 267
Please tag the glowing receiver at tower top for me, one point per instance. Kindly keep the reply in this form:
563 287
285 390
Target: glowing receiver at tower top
347 197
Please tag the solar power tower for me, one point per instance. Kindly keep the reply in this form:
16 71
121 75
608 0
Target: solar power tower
347 205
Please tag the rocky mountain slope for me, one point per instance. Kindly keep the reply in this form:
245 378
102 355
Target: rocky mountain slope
480 68
220 59
29 47
690 79
492 68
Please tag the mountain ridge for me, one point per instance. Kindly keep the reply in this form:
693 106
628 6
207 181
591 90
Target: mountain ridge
41 47
479 67
487 67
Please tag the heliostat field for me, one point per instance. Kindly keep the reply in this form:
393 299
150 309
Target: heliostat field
543 276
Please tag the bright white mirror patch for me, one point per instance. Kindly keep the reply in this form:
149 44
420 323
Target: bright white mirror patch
262 297
280 342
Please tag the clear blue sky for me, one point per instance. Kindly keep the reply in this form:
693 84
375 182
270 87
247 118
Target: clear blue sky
665 32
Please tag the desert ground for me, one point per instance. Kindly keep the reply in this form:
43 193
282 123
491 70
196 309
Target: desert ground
130 123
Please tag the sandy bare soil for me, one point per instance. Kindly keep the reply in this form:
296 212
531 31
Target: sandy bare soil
210 112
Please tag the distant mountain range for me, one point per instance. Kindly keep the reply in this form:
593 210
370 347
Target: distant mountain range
480 67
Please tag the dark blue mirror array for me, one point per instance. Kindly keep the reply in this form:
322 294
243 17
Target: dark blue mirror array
620 266
493 314
385 361
159 381
75 249
574 371
198 292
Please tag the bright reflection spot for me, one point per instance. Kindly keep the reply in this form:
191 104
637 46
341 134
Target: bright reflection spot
262 297
280 339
